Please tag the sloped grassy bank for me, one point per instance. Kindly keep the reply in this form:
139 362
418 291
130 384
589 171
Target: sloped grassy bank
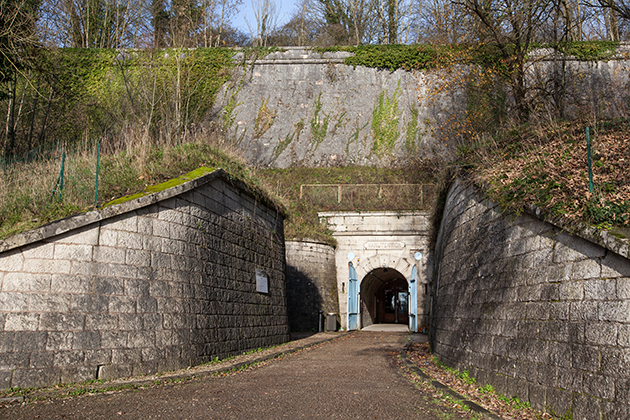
26 200
547 166
360 187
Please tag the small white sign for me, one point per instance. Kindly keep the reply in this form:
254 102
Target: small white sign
262 282
384 245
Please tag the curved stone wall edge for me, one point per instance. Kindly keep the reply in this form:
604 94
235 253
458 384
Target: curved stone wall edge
173 280
600 237
311 283
535 311
67 224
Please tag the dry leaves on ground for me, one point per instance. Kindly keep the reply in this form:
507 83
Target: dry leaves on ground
550 170
505 408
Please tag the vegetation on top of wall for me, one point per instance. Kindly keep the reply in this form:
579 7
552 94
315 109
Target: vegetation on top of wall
257 53
149 109
431 56
152 189
303 222
27 199
547 165
590 50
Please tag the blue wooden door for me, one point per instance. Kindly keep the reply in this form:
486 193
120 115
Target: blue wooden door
353 299
413 300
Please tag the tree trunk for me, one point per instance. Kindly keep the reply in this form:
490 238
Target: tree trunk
10 127
392 29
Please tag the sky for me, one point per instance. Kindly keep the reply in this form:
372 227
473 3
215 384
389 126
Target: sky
283 9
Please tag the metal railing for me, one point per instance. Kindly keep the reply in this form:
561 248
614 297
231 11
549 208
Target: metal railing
368 196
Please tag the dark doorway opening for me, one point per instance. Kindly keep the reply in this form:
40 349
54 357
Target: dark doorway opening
384 298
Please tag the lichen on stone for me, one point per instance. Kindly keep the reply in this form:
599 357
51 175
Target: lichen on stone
152 189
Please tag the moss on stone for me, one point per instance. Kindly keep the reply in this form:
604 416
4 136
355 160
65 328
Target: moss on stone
197 173
620 233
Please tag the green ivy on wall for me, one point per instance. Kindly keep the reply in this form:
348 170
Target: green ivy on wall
264 119
319 125
385 123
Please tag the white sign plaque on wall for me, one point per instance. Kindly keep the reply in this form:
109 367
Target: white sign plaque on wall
262 282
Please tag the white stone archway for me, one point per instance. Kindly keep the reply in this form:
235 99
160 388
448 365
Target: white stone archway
377 240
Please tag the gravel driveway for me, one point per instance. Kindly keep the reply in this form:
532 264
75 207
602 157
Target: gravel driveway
352 377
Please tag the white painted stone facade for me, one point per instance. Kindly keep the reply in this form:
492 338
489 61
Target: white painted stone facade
381 240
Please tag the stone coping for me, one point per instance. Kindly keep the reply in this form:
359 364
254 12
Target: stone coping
372 213
310 55
77 221
294 62
308 241
606 239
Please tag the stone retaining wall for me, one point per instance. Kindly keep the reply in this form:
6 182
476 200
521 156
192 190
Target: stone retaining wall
158 283
299 106
536 312
311 283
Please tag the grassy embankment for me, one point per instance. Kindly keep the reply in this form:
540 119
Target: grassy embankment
27 200
541 164
548 166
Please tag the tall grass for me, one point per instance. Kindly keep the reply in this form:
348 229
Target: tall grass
303 221
27 189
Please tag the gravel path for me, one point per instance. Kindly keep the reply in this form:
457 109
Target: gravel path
352 377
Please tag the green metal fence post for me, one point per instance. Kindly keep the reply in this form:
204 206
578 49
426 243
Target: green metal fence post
63 165
98 162
590 163
59 184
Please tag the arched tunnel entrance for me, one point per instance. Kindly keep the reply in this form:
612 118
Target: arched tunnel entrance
379 259
384 298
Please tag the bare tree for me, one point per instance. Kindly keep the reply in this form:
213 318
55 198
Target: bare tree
620 7
92 23
512 27
159 21
216 18
443 22
266 20
17 37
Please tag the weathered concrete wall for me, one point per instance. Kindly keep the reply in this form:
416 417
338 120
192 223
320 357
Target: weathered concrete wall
532 310
158 283
301 107
381 240
311 283
593 88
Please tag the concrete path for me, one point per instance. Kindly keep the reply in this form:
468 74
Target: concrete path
402 328
353 377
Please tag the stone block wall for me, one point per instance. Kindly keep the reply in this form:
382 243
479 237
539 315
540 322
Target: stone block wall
158 283
311 283
536 312
301 106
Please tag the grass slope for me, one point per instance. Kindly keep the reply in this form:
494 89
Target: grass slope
548 166
360 192
30 195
